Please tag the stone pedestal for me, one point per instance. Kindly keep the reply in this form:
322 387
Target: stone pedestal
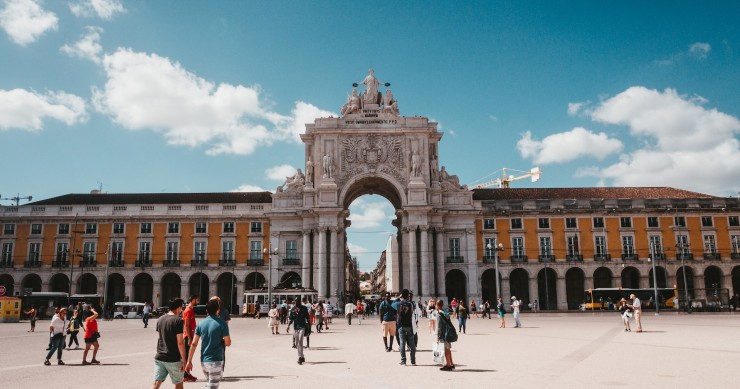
417 191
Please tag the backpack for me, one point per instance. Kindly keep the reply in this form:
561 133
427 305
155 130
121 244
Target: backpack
406 314
450 335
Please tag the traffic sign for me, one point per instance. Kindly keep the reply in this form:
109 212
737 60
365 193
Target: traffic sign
2 290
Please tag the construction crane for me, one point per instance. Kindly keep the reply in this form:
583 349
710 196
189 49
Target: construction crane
504 180
17 199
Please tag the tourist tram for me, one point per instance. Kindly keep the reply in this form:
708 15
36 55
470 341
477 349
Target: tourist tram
260 295
607 298
48 302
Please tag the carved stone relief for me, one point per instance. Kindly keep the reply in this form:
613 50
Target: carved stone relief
371 154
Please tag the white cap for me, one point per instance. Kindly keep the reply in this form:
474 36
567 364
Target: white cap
513 297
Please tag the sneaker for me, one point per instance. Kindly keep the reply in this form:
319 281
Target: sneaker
85 363
303 359
189 379
445 368
402 363
95 362
47 363
60 362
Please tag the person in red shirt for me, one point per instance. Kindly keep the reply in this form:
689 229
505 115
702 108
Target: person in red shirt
188 317
91 337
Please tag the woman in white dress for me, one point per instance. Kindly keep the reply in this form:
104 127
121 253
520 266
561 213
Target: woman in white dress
273 319
432 316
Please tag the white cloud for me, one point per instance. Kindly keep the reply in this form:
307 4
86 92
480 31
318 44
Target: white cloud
575 108
356 250
88 47
149 92
25 21
104 9
248 188
26 110
699 50
279 173
370 214
567 146
686 145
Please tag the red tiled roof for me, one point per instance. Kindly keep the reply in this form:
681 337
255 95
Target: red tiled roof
586 193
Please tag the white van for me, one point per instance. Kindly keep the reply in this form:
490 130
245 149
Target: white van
125 310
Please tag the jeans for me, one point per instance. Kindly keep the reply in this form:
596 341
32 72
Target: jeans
461 324
145 319
406 334
349 318
57 344
298 339
517 323
213 371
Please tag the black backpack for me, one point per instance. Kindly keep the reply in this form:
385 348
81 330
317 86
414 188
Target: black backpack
406 314
450 334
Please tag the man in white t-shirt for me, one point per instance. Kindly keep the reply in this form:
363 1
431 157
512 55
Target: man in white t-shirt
349 310
515 309
637 308
56 332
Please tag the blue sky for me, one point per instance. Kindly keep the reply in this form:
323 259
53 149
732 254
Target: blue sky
202 96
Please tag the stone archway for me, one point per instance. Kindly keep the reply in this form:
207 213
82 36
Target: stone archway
226 289
456 285
603 278
59 283
575 280
488 285
255 280
8 282
630 278
31 281
712 278
290 279
689 283
547 288
171 288
198 286
116 289
661 275
518 286
87 284
143 288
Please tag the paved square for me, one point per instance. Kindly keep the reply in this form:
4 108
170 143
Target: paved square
574 350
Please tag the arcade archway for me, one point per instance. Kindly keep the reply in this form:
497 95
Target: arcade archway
736 280
689 282
8 282
143 288
31 281
518 286
198 286
488 285
171 288
547 289
116 289
574 287
59 283
712 278
455 285
255 280
661 275
226 289
603 278
88 284
290 280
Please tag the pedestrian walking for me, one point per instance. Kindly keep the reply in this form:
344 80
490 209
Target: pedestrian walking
501 312
349 310
301 325
462 317
188 333
637 308
405 324
515 304
273 319
147 312
215 335
56 333
73 328
32 316
328 313
388 321
443 325
432 316
473 309
91 337
170 357
626 313
486 309
319 316
257 310
360 311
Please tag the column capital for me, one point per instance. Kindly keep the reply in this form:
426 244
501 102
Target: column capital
424 228
408 229
307 231
440 230
334 229
470 230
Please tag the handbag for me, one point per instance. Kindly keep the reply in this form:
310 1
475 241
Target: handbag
439 353
96 335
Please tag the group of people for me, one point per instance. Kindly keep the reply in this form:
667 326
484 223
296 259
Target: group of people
64 323
628 309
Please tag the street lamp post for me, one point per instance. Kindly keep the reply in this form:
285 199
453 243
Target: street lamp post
73 253
496 248
105 292
655 279
269 252
680 246
200 277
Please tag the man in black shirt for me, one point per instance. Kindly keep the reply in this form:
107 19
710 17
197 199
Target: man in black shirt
170 358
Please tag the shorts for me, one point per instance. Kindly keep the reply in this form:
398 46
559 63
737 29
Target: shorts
162 369
90 340
389 328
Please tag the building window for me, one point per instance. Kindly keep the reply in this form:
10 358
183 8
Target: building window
91 228
63 229
454 248
34 252
172 252
88 252
116 252
173 228
62 252
489 246
710 247
653 222
201 228
656 245
517 247
256 227
679 221
628 245
488 224
7 257
118 228
228 227
735 239
571 222
706 221
200 250
227 252
145 228
291 249
545 246
734 221
36 229
598 222
573 247
255 250
683 244
516 224
600 245
543 222
145 251
9 229
625 222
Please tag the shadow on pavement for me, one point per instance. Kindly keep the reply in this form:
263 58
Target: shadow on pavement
321 363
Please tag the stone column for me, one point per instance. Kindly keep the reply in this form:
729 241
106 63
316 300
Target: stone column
472 264
321 279
426 282
506 287
533 290
306 259
129 289
440 286
562 302
412 260
334 269
212 286
185 289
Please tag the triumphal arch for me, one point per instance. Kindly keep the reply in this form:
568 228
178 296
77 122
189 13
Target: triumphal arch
372 149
